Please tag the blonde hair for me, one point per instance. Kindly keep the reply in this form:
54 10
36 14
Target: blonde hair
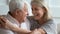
42 4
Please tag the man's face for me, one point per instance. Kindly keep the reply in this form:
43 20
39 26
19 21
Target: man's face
21 14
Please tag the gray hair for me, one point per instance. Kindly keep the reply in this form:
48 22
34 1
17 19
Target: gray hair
14 4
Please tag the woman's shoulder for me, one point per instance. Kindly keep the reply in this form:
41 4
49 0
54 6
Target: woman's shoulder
50 21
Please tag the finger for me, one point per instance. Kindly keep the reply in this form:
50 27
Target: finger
0 25
3 19
35 29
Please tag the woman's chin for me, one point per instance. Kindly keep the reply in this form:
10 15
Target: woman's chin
36 18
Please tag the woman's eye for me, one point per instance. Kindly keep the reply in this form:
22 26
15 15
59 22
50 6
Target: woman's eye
32 9
36 9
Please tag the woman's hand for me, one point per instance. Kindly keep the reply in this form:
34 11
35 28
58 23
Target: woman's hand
3 22
38 31
35 32
42 31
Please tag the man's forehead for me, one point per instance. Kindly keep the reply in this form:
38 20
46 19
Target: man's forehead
25 5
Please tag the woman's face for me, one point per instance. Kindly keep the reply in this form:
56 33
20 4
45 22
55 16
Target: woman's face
37 11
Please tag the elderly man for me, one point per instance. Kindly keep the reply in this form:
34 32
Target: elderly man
16 15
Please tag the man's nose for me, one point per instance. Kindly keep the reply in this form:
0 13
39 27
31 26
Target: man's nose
27 13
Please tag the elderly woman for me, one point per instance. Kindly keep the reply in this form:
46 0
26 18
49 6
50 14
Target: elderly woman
41 21
16 15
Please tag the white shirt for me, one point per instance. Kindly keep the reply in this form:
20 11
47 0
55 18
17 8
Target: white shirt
25 24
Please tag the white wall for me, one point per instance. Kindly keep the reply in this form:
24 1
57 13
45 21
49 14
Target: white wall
3 7
55 9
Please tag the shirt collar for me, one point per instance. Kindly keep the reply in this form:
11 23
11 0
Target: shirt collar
13 20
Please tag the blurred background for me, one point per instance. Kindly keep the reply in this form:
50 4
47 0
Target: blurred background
54 6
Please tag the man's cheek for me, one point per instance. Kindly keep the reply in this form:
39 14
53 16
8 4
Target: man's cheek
21 14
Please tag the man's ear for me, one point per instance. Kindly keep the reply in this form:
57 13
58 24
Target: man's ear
16 12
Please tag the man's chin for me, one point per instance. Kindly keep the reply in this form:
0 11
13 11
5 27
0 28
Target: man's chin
24 19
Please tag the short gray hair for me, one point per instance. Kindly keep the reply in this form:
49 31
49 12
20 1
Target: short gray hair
14 4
